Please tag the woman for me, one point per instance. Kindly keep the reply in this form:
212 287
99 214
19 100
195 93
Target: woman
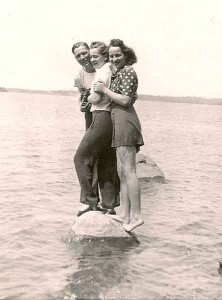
127 137
96 145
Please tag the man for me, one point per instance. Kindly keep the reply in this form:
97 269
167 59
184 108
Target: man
84 78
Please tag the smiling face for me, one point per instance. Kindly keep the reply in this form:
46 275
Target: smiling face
116 57
97 59
82 56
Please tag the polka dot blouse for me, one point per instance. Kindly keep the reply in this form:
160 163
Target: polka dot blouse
125 82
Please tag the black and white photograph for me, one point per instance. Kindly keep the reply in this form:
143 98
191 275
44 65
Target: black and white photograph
111 150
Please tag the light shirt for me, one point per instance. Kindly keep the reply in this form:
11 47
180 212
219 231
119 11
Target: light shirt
83 79
104 74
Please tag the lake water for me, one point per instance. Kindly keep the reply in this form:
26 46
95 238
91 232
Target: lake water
179 244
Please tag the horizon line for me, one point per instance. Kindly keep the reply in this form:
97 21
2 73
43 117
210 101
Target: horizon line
70 91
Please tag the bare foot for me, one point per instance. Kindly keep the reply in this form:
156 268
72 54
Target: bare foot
132 225
119 219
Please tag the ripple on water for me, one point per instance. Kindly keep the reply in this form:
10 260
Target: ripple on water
180 242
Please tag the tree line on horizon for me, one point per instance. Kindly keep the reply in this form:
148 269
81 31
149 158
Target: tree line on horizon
2 89
143 97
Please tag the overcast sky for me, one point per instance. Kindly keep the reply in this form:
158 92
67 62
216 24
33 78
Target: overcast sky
178 42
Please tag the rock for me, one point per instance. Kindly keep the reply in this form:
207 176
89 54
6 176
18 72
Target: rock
95 224
147 169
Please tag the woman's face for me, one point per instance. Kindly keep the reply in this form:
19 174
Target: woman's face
97 59
116 57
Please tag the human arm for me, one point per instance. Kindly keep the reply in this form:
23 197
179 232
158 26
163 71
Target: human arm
82 90
84 104
120 99
124 87
94 97
103 74
79 86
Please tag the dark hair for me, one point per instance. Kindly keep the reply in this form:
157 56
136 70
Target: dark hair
77 45
101 46
127 51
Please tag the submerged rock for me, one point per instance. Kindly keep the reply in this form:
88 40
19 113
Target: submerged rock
147 169
95 224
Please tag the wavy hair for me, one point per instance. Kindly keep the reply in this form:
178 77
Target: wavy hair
128 52
101 46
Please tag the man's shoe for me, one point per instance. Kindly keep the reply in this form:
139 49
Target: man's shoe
101 208
110 211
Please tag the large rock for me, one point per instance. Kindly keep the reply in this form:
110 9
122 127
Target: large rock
147 169
94 224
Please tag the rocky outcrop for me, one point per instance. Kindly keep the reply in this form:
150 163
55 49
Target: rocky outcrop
147 169
95 224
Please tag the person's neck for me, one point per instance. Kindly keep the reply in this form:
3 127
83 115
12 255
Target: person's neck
89 69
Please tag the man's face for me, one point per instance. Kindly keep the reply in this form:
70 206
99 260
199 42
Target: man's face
82 56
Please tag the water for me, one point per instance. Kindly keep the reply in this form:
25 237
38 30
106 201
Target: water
179 244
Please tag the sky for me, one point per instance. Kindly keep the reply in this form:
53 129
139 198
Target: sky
178 42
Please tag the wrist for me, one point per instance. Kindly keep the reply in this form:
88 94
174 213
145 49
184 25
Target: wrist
105 91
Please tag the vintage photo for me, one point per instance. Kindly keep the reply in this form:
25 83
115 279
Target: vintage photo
111 150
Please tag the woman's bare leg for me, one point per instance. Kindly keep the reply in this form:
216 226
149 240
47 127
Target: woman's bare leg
124 216
127 156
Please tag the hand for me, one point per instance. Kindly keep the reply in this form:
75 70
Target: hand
99 87
134 98
82 90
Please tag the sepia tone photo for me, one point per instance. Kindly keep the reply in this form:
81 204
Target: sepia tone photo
111 149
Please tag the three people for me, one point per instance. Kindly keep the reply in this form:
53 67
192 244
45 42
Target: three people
114 88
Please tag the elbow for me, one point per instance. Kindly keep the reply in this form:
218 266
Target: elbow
93 100
90 100
127 103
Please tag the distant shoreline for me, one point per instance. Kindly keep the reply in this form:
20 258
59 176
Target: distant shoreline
175 99
142 97
49 92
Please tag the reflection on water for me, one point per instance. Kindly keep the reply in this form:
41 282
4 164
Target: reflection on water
102 265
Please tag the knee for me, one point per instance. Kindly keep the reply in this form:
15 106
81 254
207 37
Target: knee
74 159
77 159
128 173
